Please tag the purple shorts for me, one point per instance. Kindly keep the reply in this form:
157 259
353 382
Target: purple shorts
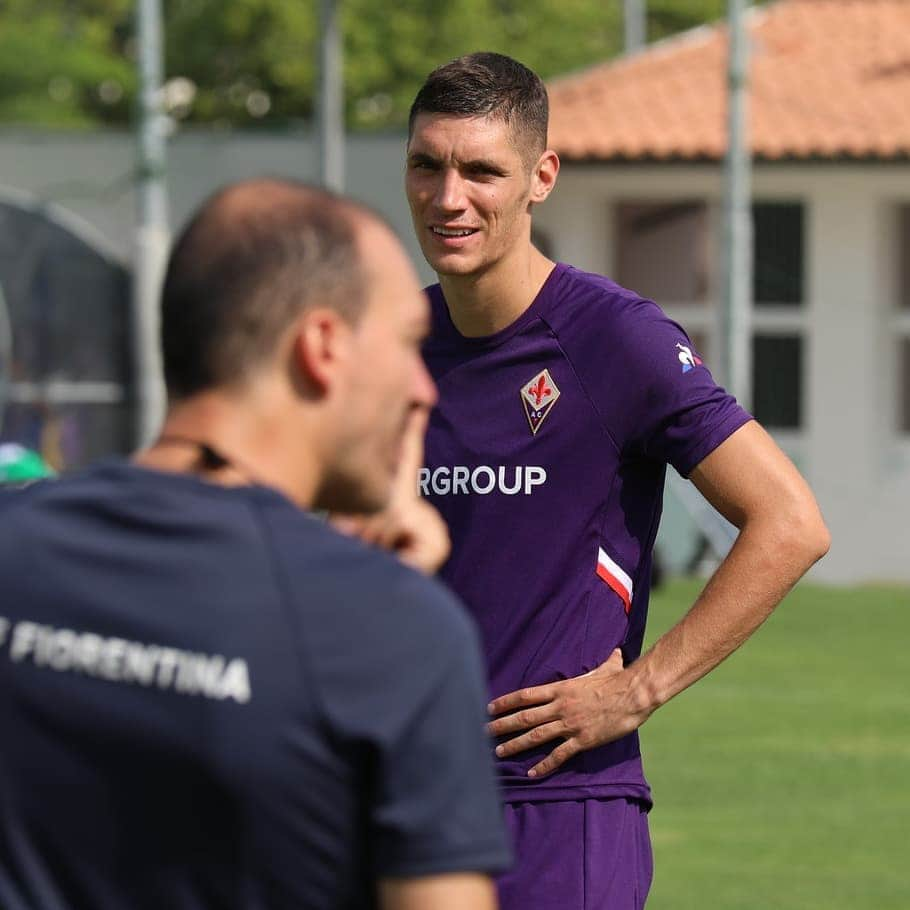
589 854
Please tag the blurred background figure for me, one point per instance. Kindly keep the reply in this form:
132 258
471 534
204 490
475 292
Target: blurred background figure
20 465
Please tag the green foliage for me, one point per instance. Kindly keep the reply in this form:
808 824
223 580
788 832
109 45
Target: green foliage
390 53
71 62
232 49
666 17
64 63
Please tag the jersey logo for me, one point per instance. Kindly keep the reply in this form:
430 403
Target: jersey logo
538 397
687 358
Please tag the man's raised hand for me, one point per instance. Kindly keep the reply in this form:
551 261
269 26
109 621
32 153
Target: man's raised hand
409 526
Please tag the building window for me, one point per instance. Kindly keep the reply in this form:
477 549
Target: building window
904 379
903 257
664 251
778 315
777 380
777 253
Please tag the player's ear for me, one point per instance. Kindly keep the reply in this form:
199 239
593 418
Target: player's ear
321 348
544 177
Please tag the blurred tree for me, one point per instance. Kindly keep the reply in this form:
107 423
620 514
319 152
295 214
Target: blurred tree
248 62
666 17
64 62
389 52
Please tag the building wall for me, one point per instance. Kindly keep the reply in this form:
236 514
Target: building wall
90 174
850 446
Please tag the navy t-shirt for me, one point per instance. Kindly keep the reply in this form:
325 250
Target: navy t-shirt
209 698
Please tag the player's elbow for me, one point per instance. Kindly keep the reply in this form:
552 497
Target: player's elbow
804 533
816 540
822 540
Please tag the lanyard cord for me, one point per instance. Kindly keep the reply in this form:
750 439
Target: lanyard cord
210 458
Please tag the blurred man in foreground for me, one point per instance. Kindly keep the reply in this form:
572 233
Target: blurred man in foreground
208 697
563 397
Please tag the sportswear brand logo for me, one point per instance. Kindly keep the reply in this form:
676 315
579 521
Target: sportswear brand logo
687 358
538 397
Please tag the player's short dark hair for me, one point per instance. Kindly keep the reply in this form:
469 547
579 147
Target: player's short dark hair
249 262
485 84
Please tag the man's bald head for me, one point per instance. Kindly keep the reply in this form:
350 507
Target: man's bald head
253 258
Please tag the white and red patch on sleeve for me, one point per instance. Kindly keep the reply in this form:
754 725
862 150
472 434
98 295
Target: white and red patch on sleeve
610 572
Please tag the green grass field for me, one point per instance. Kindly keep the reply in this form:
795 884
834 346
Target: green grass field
783 779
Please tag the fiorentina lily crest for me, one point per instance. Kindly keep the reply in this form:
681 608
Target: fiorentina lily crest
538 397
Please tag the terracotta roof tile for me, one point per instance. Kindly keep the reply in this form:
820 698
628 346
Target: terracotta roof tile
828 78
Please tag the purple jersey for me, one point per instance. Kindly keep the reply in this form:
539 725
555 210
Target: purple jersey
546 456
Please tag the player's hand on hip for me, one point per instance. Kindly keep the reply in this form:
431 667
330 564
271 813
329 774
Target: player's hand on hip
584 712
409 526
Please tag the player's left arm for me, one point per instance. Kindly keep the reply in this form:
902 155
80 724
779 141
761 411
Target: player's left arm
750 481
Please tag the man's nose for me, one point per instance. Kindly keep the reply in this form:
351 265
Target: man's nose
424 391
450 191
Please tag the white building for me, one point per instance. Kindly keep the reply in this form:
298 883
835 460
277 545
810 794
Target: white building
639 199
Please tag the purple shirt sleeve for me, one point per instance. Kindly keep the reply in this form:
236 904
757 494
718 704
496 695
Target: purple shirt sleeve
673 410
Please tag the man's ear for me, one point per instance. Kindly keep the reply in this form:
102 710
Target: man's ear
321 348
544 177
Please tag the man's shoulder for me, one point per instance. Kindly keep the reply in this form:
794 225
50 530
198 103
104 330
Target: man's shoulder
347 586
16 495
440 324
586 301
34 498
377 636
603 326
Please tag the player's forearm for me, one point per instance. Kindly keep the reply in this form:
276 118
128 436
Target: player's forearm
454 891
771 554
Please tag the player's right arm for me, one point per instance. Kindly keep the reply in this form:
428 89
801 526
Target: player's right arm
438 892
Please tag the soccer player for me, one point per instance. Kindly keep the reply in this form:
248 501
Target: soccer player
562 399
208 696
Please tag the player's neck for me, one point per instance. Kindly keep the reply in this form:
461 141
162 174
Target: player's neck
234 441
488 302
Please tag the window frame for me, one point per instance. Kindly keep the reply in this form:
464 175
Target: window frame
704 317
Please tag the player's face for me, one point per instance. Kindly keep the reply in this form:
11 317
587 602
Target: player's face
469 190
385 378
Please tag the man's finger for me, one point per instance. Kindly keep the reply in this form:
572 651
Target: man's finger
534 695
376 528
559 756
351 525
531 739
522 720
412 449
